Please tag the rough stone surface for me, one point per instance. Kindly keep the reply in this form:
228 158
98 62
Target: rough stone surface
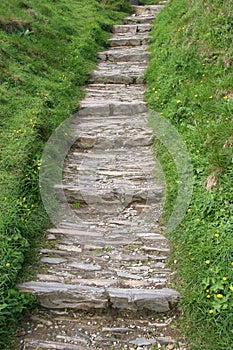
102 271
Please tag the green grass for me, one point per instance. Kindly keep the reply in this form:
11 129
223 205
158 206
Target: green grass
190 84
46 52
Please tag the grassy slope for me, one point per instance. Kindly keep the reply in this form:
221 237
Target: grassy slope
47 49
190 83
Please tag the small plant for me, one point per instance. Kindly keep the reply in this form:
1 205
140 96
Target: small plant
77 205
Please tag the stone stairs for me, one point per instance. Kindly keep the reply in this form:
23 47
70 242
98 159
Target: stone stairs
103 282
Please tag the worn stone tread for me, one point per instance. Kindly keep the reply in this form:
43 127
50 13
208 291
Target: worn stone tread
34 344
132 29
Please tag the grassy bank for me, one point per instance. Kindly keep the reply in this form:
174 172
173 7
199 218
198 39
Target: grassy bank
190 84
47 50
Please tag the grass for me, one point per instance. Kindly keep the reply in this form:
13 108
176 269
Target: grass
47 50
190 84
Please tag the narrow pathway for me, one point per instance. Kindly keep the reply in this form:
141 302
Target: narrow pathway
103 282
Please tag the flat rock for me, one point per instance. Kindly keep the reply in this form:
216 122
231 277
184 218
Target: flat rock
129 41
139 19
132 29
53 260
32 344
143 299
148 9
117 330
143 341
85 267
66 296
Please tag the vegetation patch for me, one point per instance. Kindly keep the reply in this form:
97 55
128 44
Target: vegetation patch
47 50
190 84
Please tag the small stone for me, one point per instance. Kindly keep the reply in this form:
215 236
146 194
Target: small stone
86 267
166 340
51 237
53 260
143 341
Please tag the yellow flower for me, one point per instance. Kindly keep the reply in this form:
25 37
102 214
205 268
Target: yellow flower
207 262
208 296
8 265
225 97
224 278
232 263
207 290
219 296
231 288
211 311
178 101
210 97
217 235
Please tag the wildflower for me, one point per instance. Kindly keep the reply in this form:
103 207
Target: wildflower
231 288
8 265
207 262
224 278
216 235
208 296
219 296
189 210
207 290
211 97
178 101
211 311
232 263
225 97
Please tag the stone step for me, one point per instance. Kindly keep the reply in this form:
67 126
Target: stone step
117 54
115 90
107 140
132 29
122 128
96 122
107 238
140 19
111 195
138 154
148 9
119 75
111 108
53 295
122 120
125 40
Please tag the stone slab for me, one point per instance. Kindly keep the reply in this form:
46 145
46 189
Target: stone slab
143 299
